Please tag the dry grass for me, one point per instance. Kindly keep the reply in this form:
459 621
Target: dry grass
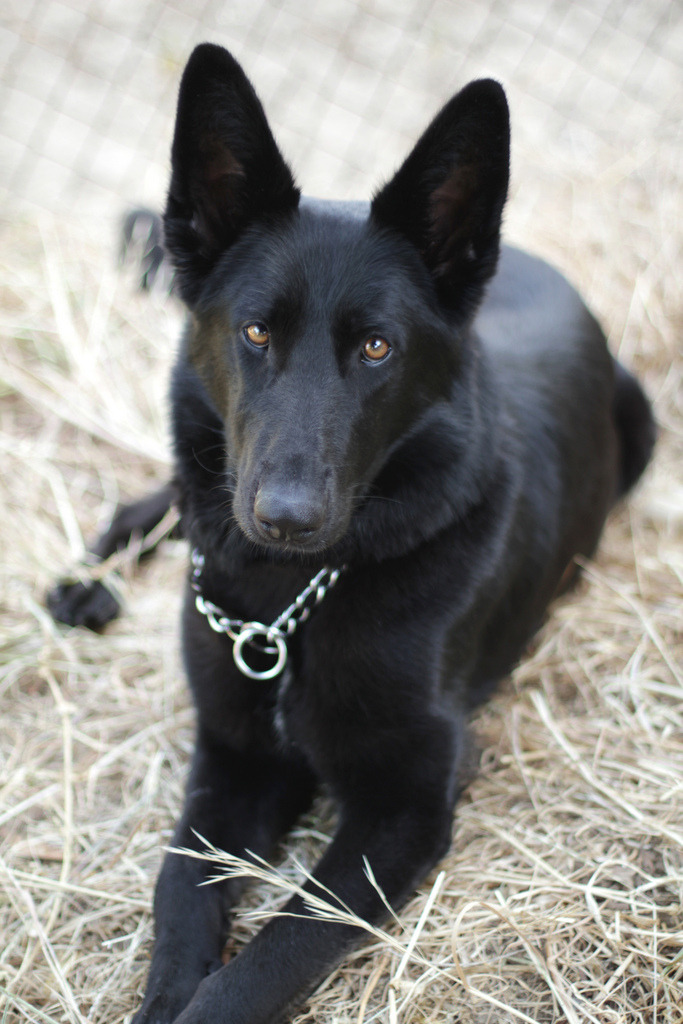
562 897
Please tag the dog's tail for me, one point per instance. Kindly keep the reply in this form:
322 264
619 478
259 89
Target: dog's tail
636 427
142 241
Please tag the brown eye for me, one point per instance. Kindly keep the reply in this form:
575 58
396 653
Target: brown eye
256 334
375 349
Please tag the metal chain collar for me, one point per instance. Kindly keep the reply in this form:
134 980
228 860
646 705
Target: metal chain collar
267 639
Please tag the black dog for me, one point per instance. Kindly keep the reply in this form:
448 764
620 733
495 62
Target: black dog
366 393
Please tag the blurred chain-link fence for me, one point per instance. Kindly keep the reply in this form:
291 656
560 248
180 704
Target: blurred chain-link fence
87 87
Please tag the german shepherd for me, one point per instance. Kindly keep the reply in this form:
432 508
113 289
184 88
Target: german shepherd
392 438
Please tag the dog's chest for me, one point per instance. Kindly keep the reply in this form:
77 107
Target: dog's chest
301 710
280 708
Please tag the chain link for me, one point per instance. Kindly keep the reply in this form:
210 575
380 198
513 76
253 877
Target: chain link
271 640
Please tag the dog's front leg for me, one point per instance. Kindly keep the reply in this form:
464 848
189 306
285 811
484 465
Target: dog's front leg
239 801
402 827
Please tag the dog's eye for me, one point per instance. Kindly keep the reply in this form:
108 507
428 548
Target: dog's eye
375 349
256 334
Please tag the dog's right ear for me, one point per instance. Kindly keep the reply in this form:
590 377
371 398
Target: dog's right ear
226 168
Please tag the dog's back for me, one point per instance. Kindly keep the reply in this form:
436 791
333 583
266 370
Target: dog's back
579 431
535 325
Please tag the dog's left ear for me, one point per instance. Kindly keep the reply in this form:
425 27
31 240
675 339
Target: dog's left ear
227 170
448 196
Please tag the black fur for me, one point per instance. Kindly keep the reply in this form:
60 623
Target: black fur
455 479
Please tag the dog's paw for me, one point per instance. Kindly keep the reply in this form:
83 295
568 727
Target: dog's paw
166 1005
89 604
157 1011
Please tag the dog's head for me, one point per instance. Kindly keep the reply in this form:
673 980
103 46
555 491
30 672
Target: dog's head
330 342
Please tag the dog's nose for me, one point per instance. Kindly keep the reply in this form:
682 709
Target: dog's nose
288 513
